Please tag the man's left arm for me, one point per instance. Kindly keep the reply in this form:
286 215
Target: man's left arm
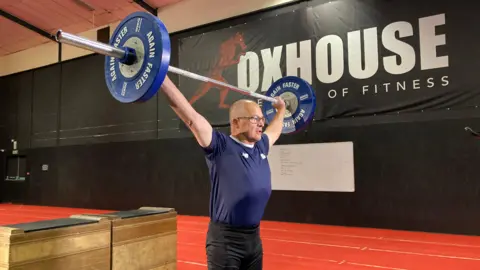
274 129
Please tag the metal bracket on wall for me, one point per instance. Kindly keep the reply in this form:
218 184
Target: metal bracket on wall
146 6
472 132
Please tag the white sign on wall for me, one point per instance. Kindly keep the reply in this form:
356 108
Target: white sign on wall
313 167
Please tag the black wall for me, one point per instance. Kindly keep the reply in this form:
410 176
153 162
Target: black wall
2 175
414 172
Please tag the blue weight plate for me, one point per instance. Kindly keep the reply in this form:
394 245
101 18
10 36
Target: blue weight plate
300 99
140 81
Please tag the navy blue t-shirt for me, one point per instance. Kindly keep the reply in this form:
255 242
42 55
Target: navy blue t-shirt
240 180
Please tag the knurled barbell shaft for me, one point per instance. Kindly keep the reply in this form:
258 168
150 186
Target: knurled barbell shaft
119 53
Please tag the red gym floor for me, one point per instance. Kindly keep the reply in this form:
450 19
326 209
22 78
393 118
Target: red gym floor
303 246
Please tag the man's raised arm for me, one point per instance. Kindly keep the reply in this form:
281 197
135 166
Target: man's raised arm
200 127
274 129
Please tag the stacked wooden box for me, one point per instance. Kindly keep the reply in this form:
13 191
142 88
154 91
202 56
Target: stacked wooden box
145 238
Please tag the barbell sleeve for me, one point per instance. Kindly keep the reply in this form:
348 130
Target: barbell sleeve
90 45
129 57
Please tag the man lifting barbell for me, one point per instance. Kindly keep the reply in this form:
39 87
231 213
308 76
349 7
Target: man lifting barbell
136 65
239 177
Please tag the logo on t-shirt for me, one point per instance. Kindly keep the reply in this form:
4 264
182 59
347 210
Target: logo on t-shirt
263 156
245 155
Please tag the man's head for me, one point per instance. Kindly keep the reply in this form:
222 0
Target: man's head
246 121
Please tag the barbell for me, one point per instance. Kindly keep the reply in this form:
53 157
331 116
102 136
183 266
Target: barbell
137 60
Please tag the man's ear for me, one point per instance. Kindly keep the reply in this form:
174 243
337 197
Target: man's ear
235 122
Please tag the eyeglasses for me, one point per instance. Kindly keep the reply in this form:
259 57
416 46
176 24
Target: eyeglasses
253 119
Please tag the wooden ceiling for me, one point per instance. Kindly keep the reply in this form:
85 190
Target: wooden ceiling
73 16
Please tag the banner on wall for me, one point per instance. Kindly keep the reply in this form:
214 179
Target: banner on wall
361 58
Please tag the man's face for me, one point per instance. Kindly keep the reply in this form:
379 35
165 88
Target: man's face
251 125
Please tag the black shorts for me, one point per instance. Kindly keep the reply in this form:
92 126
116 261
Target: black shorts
234 248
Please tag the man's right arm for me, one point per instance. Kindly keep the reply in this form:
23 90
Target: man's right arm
200 127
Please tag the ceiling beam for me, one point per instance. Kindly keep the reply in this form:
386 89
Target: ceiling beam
146 6
27 25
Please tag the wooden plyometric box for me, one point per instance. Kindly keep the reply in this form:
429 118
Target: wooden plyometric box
143 239
58 244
